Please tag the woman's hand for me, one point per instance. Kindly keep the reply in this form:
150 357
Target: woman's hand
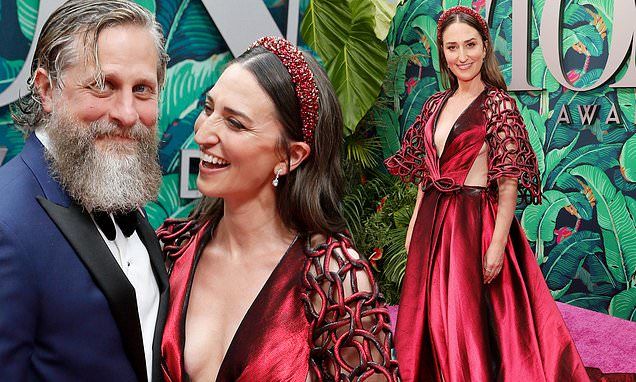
493 262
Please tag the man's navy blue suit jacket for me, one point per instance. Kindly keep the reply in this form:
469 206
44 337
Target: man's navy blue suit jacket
67 311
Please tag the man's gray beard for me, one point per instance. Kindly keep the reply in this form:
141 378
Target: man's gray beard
117 177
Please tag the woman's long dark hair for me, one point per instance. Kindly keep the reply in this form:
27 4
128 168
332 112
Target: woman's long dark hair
308 198
490 72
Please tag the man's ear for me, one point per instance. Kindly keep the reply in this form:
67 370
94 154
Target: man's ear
298 152
44 88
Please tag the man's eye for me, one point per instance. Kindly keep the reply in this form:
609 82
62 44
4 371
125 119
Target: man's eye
208 109
100 88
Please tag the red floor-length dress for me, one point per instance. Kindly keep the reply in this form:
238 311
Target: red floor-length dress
451 327
283 336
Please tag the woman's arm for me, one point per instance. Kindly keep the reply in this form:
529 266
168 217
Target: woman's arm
507 202
409 231
513 165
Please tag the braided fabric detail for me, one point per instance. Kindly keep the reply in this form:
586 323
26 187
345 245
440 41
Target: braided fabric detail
409 162
350 336
175 235
510 153
302 77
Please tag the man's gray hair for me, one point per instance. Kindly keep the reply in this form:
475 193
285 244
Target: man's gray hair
75 25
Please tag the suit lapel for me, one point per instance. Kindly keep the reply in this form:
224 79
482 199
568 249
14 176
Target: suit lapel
81 233
149 239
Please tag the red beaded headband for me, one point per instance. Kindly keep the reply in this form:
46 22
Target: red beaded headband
461 9
302 77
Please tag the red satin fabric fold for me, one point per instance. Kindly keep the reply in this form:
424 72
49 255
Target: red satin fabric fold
452 327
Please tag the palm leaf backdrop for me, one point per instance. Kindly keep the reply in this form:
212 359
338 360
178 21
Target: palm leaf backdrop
382 58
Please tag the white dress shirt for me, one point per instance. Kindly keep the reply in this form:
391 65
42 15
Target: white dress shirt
133 258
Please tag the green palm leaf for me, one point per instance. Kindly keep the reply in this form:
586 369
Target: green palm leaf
395 257
605 8
424 88
405 14
363 150
627 160
185 83
385 11
342 33
588 301
618 228
598 270
583 208
428 29
627 103
623 305
148 4
28 16
554 157
169 204
600 155
387 126
395 81
539 73
586 35
535 125
326 35
567 257
631 206
576 14
539 221
189 30
9 69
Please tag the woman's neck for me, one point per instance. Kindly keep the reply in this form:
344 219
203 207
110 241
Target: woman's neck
251 227
470 89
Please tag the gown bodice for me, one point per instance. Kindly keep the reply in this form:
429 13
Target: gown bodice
283 336
465 139
491 118
254 353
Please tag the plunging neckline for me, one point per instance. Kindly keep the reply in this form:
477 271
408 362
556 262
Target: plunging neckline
186 302
439 111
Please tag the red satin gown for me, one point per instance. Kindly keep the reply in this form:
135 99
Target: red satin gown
283 337
451 327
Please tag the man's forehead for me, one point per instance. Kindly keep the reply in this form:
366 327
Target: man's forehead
95 57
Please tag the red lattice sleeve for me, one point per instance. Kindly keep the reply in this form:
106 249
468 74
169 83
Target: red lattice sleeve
174 236
350 335
408 163
509 151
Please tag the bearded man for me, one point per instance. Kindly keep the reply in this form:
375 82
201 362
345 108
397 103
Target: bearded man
83 298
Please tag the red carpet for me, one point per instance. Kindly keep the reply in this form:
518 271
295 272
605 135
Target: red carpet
607 344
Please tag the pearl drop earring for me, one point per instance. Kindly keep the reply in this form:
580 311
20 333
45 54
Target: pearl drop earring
275 181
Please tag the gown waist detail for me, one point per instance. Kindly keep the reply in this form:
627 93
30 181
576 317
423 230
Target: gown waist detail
449 185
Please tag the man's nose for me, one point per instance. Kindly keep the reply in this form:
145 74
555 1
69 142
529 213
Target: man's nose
124 112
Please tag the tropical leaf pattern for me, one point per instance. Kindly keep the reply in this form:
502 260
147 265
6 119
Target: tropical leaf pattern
584 232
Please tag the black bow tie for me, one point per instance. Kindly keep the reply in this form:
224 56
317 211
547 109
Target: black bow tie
127 222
